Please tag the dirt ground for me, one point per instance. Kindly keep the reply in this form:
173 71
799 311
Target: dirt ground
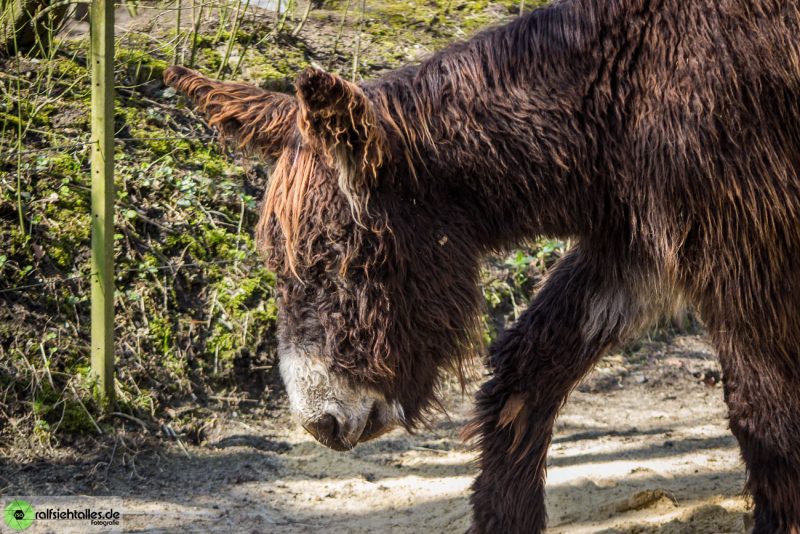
642 446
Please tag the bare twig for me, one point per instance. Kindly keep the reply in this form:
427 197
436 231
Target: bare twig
82 405
358 40
303 20
341 26
131 418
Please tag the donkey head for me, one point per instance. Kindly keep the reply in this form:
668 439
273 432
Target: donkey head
376 283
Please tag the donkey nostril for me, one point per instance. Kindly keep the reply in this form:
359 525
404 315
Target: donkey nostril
324 428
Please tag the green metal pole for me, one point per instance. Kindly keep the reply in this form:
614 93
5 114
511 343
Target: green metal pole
102 60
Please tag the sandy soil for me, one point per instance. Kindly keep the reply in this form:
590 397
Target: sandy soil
642 446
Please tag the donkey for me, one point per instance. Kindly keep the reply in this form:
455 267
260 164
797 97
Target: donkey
663 136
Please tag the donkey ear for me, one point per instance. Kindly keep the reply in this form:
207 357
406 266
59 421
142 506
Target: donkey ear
338 118
258 120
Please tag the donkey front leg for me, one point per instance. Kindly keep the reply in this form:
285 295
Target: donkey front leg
587 305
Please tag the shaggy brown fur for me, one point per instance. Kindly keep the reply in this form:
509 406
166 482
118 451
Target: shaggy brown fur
259 120
663 135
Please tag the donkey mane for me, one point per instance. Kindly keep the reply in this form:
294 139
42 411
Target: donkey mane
483 120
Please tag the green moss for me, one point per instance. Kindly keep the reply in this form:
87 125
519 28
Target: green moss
52 409
203 41
242 37
210 58
140 66
143 401
211 162
9 121
277 68
30 113
64 165
66 69
161 332
75 418
61 256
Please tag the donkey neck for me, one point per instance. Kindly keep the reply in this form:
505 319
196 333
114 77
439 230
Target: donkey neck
506 125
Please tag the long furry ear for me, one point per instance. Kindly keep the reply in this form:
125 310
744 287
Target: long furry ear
337 118
258 120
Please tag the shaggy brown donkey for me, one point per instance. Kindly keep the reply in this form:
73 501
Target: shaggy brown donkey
662 135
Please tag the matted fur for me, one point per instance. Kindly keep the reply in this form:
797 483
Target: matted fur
663 136
338 120
284 201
